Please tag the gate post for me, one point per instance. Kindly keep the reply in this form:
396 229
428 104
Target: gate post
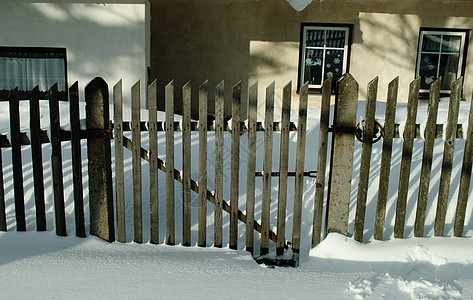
341 161
99 159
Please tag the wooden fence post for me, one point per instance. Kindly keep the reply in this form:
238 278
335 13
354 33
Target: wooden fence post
56 162
170 220
283 167
16 160
153 162
235 166
37 157
321 161
368 134
219 127
251 166
267 168
76 159
186 164
343 143
136 162
203 100
99 160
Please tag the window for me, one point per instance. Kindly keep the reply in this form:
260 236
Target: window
324 53
441 53
26 68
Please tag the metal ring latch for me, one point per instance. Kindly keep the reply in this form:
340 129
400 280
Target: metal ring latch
378 132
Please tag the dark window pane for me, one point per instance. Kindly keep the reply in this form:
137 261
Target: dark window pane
448 69
431 43
335 38
315 38
313 66
333 66
451 43
428 69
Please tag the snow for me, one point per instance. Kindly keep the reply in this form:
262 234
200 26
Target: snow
44 266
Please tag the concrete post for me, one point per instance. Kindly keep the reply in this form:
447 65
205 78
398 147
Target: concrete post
99 160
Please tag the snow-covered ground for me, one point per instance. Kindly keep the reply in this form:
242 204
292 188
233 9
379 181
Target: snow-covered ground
44 266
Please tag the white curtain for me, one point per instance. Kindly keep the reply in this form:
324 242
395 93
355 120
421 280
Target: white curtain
26 73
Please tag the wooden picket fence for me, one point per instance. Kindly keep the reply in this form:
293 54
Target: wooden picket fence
344 130
100 131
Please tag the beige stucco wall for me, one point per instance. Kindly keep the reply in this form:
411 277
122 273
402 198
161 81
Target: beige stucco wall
106 39
259 41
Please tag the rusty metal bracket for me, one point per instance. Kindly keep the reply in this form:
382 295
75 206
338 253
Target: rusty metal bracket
311 174
378 132
96 133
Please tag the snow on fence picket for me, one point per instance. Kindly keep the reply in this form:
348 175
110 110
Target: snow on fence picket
99 133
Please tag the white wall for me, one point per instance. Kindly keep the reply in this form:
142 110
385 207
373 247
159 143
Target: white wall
102 39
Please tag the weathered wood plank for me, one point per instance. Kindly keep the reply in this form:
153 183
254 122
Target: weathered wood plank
119 164
251 167
127 143
153 162
408 136
3 217
368 135
385 168
267 168
321 161
203 100
448 151
219 127
186 164
76 159
429 139
16 160
136 162
235 166
37 158
56 162
465 178
170 216
341 162
300 158
283 167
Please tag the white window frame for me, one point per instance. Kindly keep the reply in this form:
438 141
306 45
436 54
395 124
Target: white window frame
305 29
441 32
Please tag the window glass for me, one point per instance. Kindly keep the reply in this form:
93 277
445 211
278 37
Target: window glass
324 54
441 54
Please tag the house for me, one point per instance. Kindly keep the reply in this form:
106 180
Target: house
243 40
303 40
43 42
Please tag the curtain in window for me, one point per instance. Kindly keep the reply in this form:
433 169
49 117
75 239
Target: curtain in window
26 73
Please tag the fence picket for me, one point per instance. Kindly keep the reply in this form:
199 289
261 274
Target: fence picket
385 168
408 136
203 127
76 159
235 166
169 106
321 161
56 162
119 165
368 134
283 167
267 168
37 158
153 162
219 127
448 151
300 158
136 162
186 164
3 217
251 166
16 160
429 138
465 178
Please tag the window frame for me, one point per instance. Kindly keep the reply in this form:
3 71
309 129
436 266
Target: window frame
315 88
36 52
462 55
